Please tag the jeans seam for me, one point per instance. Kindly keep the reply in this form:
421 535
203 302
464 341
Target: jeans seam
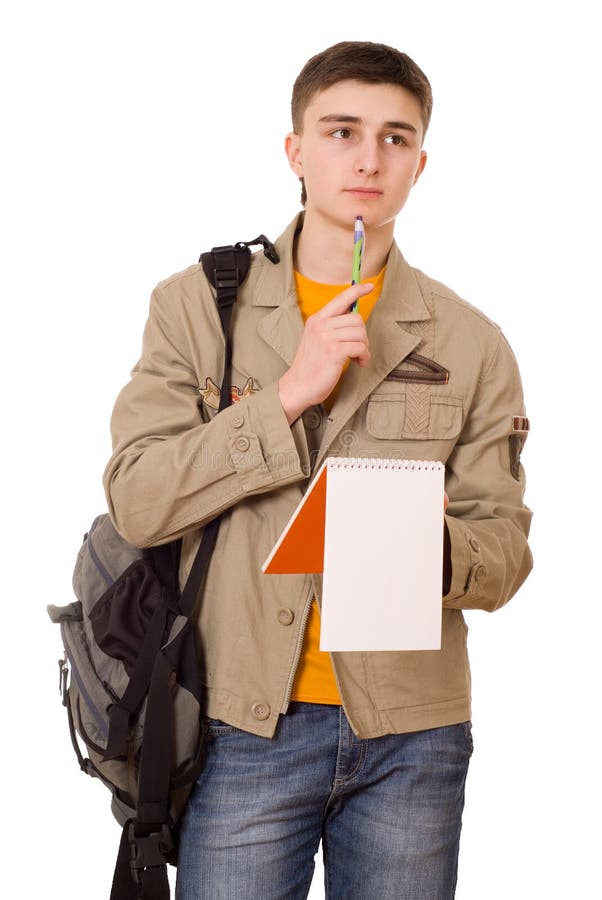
340 781
346 779
332 793
326 862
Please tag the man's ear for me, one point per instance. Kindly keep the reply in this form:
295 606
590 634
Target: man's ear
292 148
420 167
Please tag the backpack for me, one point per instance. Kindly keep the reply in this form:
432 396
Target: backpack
130 677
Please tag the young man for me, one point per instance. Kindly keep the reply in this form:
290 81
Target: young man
366 751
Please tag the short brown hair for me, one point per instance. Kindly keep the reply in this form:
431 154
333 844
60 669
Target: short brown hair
358 61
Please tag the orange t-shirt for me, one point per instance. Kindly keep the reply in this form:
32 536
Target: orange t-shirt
314 678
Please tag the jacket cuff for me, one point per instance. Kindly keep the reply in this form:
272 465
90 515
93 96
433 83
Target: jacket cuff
263 448
467 568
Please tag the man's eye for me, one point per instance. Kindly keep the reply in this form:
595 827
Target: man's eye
341 133
394 139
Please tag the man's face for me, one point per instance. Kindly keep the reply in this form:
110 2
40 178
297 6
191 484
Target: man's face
359 152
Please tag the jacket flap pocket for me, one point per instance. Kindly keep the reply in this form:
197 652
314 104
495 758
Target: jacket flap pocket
385 415
388 417
446 417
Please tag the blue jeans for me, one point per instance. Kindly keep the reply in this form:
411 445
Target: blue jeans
388 811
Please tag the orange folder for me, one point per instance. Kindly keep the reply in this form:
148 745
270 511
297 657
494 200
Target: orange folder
300 548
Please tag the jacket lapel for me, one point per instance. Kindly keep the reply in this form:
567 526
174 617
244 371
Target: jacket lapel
282 327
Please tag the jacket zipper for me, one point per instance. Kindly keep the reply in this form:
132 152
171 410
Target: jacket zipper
289 687
298 648
345 710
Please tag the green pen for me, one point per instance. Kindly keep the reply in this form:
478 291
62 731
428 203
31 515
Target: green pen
359 239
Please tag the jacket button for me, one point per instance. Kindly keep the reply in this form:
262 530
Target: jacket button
475 545
312 419
242 443
480 574
285 615
261 711
237 421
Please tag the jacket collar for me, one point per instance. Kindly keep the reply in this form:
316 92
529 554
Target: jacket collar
401 301
401 294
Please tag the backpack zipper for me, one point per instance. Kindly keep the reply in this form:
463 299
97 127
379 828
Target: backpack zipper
63 677
105 574
100 719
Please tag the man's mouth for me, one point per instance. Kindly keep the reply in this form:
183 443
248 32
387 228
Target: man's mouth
364 192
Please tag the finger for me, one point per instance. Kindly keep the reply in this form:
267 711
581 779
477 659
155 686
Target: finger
358 351
343 301
339 332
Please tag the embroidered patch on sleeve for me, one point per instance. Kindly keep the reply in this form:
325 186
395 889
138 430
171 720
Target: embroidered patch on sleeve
237 394
210 393
516 442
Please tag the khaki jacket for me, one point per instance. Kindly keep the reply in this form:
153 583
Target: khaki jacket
176 464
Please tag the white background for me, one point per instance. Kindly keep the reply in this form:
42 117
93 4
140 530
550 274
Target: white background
136 135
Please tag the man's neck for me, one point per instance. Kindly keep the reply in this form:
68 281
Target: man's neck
324 250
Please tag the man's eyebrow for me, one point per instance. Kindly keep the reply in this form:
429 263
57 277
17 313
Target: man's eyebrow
356 120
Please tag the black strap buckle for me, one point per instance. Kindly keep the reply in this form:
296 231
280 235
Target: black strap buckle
149 850
226 274
226 268
226 278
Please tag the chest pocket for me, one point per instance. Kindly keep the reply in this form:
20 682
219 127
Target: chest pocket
416 412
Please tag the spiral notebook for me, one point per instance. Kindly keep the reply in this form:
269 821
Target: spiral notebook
374 527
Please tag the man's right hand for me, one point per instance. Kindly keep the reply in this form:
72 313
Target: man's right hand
330 338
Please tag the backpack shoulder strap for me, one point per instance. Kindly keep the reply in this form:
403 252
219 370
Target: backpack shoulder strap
226 268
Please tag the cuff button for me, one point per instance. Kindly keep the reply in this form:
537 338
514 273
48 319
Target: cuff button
480 574
242 444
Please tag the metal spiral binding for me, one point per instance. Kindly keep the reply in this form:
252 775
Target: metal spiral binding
368 462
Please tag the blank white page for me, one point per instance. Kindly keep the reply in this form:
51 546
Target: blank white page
383 555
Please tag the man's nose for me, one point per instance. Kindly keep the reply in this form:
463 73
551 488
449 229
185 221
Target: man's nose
368 159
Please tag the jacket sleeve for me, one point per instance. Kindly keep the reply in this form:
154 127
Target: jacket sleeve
170 472
487 521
